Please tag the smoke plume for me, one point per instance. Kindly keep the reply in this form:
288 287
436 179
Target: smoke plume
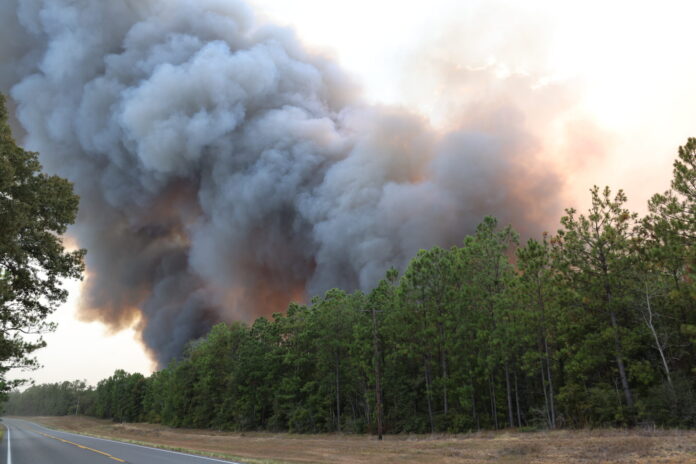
224 170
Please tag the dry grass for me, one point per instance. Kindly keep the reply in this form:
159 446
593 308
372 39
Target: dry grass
585 446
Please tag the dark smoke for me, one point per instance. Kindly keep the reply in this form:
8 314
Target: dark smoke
224 170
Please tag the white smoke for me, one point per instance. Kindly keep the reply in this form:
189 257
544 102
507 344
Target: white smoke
224 170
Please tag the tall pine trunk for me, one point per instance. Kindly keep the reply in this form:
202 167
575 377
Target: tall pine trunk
517 402
443 365
552 405
338 395
494 408
648 318
428 394
378 375
618 355
508 392
618 349
473 409
549 419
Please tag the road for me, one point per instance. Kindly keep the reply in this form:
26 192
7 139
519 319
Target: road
30 443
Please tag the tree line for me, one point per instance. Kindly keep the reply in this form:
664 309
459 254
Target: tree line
594 325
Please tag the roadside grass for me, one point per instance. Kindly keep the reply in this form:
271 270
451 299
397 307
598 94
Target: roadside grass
615 446
178 449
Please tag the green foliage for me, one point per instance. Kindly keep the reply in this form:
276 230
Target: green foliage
593 326
594 260
54 399
121 397
35 210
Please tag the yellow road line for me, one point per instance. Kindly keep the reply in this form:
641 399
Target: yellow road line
81 446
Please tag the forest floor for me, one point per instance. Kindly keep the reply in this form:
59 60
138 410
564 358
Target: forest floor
508 447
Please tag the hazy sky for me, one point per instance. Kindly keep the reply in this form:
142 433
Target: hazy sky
627 67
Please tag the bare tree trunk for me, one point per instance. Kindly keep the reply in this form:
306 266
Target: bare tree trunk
546 396
368 415
473 408
378 374
648 318
517 402
428 394
352 408
618 350
552 406
618 354
494 408
508 392
443 363
338 396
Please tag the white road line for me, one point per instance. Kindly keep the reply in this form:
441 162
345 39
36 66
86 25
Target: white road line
132 444
9 447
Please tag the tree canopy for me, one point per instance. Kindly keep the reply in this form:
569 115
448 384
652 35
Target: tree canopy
35 210
594 325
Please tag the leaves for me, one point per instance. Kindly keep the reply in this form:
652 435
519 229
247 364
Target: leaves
595 325
35 210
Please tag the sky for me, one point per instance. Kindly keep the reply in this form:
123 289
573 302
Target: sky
626 69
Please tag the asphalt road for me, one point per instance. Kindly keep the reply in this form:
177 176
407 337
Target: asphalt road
29 443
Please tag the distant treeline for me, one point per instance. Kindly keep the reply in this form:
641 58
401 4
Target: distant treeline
595 325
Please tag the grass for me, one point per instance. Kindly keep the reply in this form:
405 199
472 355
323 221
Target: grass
507 447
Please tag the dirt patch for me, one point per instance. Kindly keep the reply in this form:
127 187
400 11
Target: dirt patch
507 447
617 449
522 449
